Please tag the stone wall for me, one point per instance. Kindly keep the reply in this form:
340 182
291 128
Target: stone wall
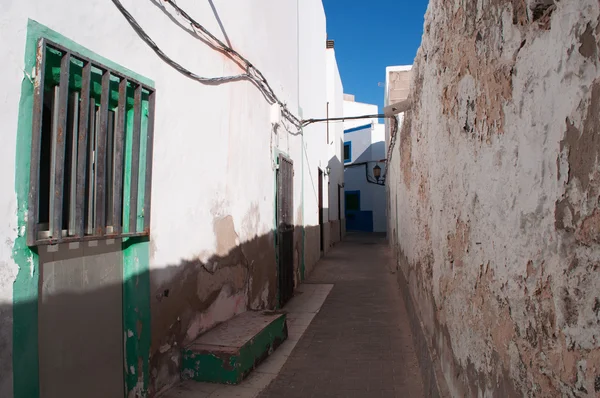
494 192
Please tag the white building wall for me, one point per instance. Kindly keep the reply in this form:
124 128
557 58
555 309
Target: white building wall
360 144
353 108
367 146
378 153
335 93
313 102
214 146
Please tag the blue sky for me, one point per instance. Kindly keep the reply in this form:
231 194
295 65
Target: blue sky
370 35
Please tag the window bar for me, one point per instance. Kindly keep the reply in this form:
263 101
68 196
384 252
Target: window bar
118 158
36 143
58 158
73 186
82 150
109 172
101 157
53 135
149 150
135 158
91 166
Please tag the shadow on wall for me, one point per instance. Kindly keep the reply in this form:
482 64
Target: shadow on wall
190 298
79 352
367 201
336 200
374 152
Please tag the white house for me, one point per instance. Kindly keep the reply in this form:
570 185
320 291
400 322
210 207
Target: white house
154 182
364 168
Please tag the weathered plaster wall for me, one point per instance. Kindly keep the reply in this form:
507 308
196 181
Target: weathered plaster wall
495 181
212 247
397 88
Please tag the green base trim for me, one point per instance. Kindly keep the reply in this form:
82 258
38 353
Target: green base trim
136 288
25 288
205 366
136 315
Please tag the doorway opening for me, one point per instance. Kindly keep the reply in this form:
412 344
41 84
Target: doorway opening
285 229
321 210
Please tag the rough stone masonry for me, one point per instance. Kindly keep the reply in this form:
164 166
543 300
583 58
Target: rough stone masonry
494 188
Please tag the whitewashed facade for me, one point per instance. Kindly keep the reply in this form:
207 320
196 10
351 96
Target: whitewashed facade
211 250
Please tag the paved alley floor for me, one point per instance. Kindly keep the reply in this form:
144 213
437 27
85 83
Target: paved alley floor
359 344
301 310
349 335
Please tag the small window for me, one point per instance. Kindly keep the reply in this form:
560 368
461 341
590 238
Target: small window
92 127
347 152
353 201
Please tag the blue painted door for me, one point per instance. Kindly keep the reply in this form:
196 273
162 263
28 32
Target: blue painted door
356 219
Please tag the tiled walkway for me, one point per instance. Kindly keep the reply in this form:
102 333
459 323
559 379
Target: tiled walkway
360 343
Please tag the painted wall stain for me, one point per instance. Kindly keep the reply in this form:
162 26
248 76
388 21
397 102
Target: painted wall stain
208 290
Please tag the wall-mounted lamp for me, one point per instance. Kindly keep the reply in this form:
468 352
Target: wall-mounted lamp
377 172
327 170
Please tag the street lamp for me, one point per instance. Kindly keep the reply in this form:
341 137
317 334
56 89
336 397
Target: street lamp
377 172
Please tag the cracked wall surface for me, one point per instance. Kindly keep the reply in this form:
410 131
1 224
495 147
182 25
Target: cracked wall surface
494 191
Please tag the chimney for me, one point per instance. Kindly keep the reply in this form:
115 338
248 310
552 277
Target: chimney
330 43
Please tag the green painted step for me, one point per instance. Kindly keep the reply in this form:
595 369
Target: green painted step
230 351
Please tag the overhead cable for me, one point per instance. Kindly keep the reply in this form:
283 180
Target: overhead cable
393 136
251 72
254 73
167 59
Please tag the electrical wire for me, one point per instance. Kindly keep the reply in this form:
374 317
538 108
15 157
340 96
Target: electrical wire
253 73
393 136
138 29
370 179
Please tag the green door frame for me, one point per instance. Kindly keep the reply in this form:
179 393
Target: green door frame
136 251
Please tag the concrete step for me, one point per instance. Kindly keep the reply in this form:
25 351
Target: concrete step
230 351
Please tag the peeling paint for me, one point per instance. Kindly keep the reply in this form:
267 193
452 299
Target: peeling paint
496 183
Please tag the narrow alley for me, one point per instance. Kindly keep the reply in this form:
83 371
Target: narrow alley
360 342
301 198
